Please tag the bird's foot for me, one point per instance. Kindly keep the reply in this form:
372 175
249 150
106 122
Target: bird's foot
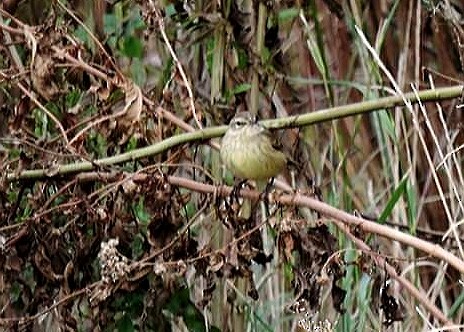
235 193
264 196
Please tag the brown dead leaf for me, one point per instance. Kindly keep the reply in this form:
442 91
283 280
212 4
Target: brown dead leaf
20 112
14 263
43 76
389 305
133 104
216 263
286 242
44 265
315 246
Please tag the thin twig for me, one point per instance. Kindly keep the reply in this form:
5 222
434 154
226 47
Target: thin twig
178 64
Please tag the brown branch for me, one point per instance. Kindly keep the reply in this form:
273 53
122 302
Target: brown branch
381 261
344 220
328 211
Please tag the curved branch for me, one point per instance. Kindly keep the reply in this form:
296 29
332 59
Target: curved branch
343 221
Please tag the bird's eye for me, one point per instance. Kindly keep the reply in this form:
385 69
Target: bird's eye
238 123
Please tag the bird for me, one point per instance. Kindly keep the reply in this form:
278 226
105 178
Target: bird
248 150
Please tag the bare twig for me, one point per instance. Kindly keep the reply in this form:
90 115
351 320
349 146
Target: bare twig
178 64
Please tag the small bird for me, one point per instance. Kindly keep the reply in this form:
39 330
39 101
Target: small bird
248 151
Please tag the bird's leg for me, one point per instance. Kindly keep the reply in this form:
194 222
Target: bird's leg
232 204
264 195
235 193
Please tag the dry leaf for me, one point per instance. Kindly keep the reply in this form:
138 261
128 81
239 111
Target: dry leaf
133 104
43 76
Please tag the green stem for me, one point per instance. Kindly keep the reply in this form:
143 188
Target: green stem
212 132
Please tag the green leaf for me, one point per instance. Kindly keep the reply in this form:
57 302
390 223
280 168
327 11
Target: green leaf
132 47
83 36
111 25
288 14
15 292
131 303
135 22
243 60
399 191
141 214
189 210
180 305
209 54
72 98
97 144
137 247
125 324
387 124
138 72
241 88
41 122
170 10
411 199
132 143
29 277
456 305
